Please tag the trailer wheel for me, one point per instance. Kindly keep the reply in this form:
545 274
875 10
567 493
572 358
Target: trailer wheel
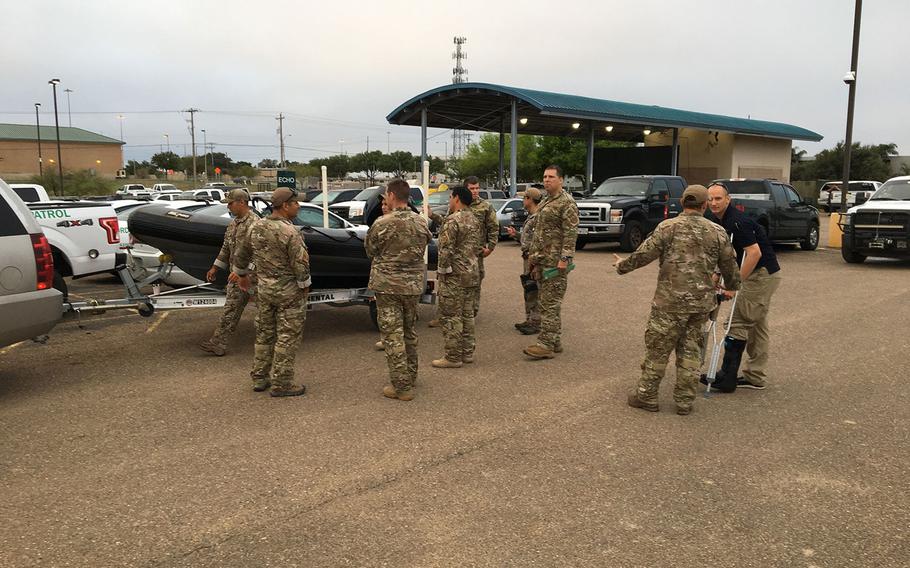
374 314
145 309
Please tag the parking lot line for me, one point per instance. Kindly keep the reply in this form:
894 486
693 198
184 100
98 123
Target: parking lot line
157 322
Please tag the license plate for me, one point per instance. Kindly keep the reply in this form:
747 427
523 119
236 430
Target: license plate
877 244
582 231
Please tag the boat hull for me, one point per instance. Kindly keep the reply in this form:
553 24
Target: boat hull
193 240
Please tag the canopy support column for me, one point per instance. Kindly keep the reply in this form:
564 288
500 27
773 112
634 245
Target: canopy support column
423 141
674 159
502 152
513 158
589 170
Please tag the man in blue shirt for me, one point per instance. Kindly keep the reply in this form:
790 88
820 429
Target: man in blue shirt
760 274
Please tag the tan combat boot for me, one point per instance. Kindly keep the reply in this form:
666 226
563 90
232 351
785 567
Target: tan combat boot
636 402
390 392
539 352
380 346
444 363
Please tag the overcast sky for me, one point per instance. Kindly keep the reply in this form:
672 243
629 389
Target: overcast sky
336 69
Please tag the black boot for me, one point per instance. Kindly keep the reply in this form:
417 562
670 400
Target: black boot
733 355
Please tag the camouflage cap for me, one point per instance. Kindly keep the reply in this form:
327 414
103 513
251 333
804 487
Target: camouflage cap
282 195
236 195
535 194
695 195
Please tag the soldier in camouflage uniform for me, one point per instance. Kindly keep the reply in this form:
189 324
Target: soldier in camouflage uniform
396 244
283 281
238 230
458 273
489 229
689 248
531 323
552 247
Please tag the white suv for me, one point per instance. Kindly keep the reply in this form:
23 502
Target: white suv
29 304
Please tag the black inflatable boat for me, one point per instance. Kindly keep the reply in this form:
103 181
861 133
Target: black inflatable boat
193 239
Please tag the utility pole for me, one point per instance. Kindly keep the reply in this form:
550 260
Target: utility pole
850 79
38 128
459 75
192 112
368 144
54 83
388 142
280 119
69 108
205 154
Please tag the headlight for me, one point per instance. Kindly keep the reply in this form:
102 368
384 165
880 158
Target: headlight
356 210
616 215
845 219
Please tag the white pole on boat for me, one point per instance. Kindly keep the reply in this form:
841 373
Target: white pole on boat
325 197
425 190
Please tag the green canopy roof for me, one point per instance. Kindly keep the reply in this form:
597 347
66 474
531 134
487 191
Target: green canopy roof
67 134
484 106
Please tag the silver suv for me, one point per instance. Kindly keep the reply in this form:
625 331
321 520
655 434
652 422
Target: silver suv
29 304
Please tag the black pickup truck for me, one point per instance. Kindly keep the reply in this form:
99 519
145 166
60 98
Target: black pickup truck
627 208
777 207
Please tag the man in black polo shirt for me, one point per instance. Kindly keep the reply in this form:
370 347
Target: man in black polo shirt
760 278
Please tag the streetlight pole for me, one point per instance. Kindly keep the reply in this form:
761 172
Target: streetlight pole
342 145
167 139
54 83
69 112
120 117
388 142
38 128
205 155
851 80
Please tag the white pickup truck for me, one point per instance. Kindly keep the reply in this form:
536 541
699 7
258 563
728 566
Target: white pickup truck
84 237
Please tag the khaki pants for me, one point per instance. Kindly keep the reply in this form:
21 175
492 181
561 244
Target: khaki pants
750 321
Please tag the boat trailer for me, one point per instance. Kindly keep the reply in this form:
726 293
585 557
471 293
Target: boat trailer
206 295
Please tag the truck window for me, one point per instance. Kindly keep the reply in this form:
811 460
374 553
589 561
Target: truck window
27 194
9 222
779 194
792 195
313 218
676 188
658 186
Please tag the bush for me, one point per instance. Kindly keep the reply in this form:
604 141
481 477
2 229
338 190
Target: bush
81 182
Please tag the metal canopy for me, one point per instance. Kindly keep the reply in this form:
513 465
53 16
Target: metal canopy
481 106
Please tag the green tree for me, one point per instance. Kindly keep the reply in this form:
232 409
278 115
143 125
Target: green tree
337 166
482 159
866 162
268 163
370 163
167 161
138 169
398 163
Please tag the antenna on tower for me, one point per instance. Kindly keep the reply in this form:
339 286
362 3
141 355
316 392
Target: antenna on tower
459 75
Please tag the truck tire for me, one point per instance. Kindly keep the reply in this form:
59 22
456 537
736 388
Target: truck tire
60 284
632 236
849 255
580 244
811 240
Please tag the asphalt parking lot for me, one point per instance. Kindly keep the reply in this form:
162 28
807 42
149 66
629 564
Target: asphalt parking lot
125 445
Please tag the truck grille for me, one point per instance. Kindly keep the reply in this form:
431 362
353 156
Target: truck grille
890 222
592 215
343 212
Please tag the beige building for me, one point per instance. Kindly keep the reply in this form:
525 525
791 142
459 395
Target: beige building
706 155
79 149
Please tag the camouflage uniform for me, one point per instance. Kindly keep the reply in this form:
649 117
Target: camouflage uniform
283 276
396 244
489 236
459 278
689 248
532 309
554 236
238 231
